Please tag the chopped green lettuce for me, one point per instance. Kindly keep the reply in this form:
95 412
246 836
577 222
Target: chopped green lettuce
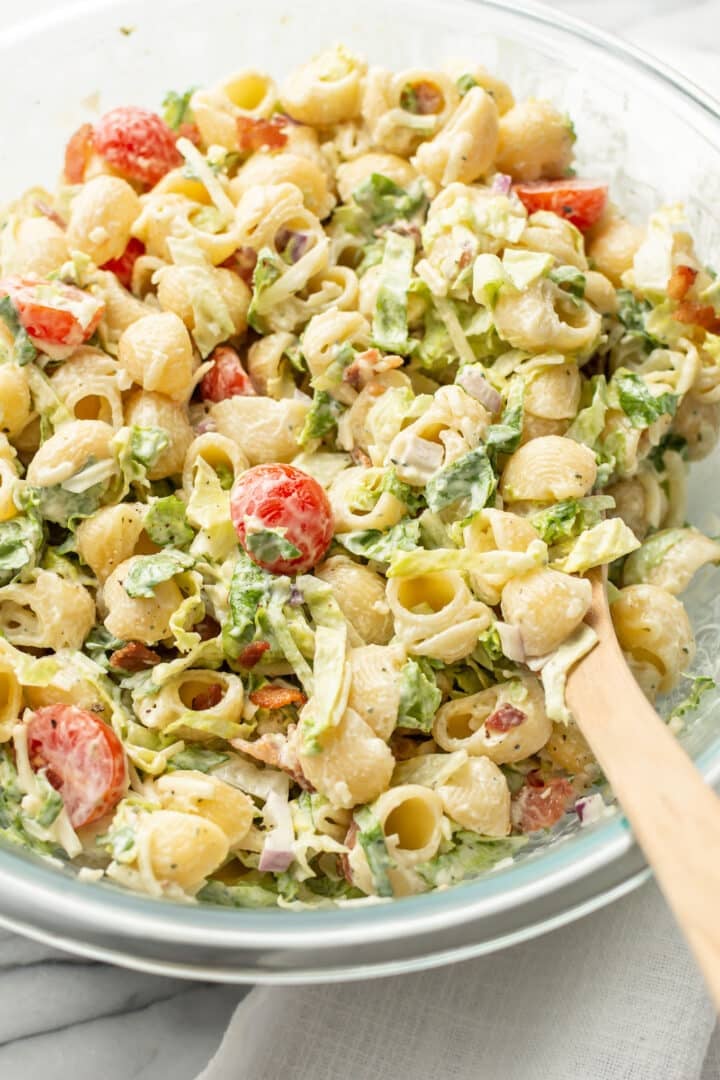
465 82
470 478
371 838
249 594
525 267
588 425
24 352
429 770
322 417
383 201
380 546
571 279
555 672
197 758
176 108
268 269
146 444
504 437
390 322
567 519
641 407
166 523
469 856
149 571
701 684
269 545
650 554
21 542
243 894
419 696
597 546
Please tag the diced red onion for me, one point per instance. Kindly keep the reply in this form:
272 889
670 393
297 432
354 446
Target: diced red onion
511 642
477 386
501 184
590 808
293 244
207 424
275 861
296 596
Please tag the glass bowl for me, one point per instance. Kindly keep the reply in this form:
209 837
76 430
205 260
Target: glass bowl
657 139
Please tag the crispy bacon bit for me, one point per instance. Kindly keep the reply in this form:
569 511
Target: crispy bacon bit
504 718
368 364
422 98
256 134
703 315
344 861
134 657
253 653
681 279
207 699
359 457
535 778
540 808
78 153
207 628
189 131
47 211
277 697
242 262
278 751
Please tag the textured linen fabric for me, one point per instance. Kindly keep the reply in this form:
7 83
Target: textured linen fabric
614 996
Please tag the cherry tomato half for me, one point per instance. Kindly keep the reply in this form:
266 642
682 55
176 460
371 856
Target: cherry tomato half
137 142
78 153
580 202
227 378
282 518
53 313
84 758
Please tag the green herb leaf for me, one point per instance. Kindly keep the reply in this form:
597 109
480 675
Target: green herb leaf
24 352
149 571
419 696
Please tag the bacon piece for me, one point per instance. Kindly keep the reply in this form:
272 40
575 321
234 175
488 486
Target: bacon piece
703 315
422 98
278 751
367 364
277 697
504 718
256 134
344 860
242 262
207 628
681 279
253 653
134 657
359 457
206 699
541 807
47 211
78 153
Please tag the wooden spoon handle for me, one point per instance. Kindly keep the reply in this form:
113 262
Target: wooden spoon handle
674 815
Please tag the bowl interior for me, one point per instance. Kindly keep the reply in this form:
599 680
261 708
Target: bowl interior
655 143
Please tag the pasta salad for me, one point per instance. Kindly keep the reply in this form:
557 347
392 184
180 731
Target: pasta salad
317 401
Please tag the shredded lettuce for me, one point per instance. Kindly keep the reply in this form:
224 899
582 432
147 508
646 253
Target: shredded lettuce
244 894
555 672
322 417
601 544
640 406
269 545
268 269
470 478
469 856
383 201
23 352
419 696
149 571
571 279
166 523
21 542
176 108
249 594
380 546
371 838
429 770
567 519
390 322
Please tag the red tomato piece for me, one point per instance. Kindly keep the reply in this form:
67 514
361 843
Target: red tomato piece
703 315
282 517
84 758
78 153
189 131
540 807
227 378
53 313
257 134
580 202
681 281
138 143
122 267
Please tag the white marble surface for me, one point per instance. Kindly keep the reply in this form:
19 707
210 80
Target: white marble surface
70 1019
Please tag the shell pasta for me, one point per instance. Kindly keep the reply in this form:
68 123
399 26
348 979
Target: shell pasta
320 394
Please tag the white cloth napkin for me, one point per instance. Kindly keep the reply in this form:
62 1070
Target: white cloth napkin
615 996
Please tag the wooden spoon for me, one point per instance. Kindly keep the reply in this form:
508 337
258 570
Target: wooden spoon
674 815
